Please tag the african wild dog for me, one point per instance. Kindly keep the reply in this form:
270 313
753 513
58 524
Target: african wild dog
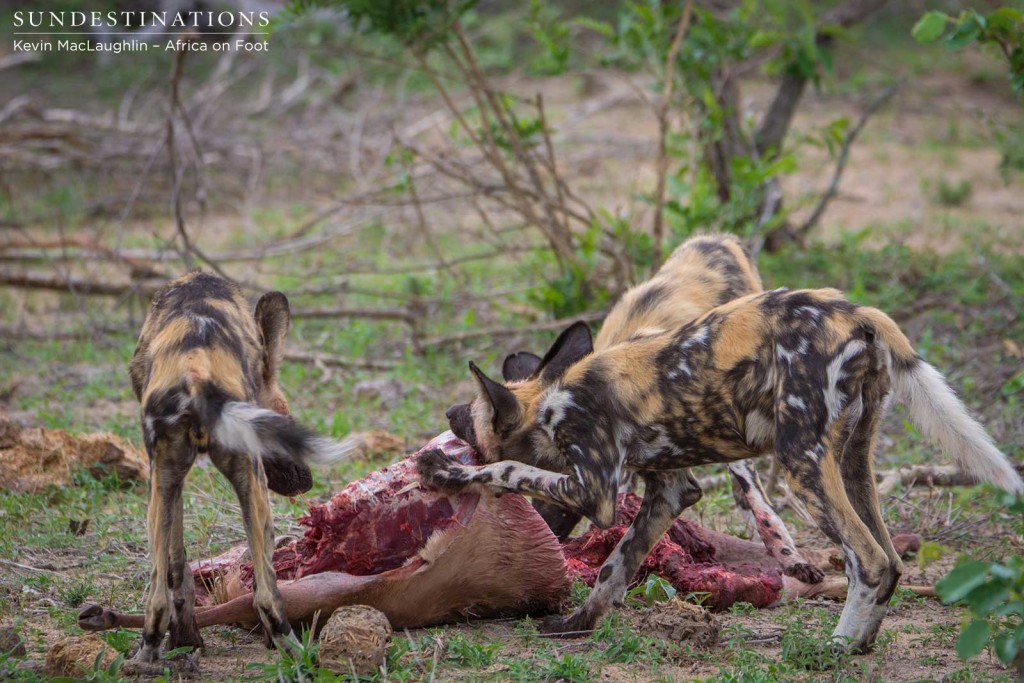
702 273
802 374
205 371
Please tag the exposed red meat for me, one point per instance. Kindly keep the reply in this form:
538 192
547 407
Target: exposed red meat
685 557
425 558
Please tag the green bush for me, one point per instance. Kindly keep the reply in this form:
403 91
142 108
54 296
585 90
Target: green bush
993 593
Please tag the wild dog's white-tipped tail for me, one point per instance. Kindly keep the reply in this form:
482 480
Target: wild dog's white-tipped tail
324 451
941 416
936 410
284 447
265 433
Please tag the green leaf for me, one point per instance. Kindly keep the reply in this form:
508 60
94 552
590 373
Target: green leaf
1005 19
966 33
965 577
929 552
930 27
986 597
1006 648
602 27
973 638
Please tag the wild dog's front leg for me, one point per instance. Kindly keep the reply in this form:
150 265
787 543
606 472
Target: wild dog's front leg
587 491
666 495
770 527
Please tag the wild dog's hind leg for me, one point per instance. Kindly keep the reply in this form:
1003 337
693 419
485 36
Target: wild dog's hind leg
858 472
770 527
170 457
666 495
250 483
184 632
811 464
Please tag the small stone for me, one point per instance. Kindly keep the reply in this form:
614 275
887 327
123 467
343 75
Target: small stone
678 621
11 643
355 638
75 656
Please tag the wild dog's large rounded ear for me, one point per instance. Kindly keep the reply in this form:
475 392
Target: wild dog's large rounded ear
572 346
273 317
504 406
520 366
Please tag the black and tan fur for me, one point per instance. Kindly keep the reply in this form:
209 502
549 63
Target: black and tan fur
802 374
703 272
205 371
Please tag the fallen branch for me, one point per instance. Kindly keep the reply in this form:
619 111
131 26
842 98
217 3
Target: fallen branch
923 475
10 61
330 360
79 285
512 331
368 313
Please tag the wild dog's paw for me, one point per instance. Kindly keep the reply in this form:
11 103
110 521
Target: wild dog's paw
440 471
802 571
182 636
575 625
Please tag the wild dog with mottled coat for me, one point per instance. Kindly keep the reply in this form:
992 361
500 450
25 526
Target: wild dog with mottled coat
703 272
805 375
205 371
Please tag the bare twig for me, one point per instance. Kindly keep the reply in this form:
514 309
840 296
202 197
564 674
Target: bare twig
844 154
189 249
176 174
663 129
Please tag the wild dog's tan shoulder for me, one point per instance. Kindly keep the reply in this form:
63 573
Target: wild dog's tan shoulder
628 369
702 273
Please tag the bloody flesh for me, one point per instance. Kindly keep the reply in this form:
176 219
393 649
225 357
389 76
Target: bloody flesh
426 558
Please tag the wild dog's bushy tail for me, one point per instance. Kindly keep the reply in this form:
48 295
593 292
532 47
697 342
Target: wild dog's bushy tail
937 411
285 447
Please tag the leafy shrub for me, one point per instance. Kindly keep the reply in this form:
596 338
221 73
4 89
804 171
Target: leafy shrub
993 593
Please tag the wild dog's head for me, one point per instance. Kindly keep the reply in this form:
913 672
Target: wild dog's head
200 312
502 422
517 370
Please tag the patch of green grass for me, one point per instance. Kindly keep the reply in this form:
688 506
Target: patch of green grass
76 593
571 668
469 653
948 193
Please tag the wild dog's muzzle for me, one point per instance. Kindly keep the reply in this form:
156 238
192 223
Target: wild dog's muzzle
460 420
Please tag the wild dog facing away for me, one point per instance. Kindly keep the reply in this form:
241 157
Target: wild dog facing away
205 371
703 272
804 374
